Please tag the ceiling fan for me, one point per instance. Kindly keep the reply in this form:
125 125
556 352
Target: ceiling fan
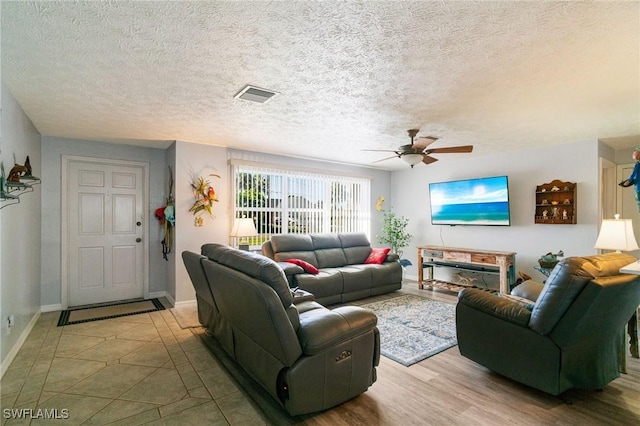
419 151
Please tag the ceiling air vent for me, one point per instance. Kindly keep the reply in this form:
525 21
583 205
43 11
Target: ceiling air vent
256 94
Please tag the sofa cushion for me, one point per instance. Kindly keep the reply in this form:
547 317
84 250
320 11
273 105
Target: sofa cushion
327 286
252 264
328 249
291 242
603 265
529 290
307 256
325 241
331 258
356 282
356 247
306 266
377 256
566 281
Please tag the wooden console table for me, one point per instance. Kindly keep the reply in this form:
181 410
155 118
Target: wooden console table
483 261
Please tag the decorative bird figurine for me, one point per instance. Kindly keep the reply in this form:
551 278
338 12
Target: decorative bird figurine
205 195
15 173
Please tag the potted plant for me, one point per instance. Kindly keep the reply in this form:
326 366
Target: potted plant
394 232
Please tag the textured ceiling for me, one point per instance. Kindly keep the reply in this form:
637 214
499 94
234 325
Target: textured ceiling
351 75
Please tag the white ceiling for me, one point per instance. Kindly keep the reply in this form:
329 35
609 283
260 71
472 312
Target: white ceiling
352 75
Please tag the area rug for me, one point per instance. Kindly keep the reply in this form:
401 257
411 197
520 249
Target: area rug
413 328
111 310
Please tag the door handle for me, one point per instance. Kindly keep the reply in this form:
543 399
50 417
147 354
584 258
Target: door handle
138 239
138 223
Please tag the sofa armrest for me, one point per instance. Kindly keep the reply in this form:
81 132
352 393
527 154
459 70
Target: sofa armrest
494 305
290 268
290 271
392 257
300 296
321 329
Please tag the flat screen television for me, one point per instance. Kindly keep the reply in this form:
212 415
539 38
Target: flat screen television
481 201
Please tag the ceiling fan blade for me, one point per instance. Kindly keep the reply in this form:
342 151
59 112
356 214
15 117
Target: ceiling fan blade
424 141
388 158
428 160
380 150
451 149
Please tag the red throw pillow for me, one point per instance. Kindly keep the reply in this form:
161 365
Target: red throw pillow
377 255
308 268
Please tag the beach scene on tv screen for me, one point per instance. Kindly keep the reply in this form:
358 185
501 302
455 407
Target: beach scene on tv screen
470 202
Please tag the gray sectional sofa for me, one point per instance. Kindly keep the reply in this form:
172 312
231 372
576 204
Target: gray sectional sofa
340 258
307 357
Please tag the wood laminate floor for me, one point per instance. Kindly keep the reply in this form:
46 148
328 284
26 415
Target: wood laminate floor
448 389
147 369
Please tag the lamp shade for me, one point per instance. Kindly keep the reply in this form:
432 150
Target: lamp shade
412 159
243 227
616 234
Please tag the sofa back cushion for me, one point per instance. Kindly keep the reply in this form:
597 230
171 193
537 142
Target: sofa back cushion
328 249
356 247
293 246
262 337
254 265
566 282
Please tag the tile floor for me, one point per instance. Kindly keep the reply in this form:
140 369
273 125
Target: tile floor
139 369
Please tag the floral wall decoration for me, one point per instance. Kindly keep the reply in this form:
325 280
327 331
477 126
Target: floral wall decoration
205 196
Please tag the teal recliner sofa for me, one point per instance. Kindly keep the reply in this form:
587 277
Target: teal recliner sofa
307 357
569 336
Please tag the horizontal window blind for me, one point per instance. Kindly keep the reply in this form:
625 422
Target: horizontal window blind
285 201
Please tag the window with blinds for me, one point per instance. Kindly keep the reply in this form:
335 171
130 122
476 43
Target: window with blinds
285 201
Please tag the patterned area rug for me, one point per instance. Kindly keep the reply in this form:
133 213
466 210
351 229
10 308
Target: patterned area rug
413 328
105 311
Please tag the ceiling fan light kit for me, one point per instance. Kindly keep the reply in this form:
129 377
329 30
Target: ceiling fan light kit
412 159
417 152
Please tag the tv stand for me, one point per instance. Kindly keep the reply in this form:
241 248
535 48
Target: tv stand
483 261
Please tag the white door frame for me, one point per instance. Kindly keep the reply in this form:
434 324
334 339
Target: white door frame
608 190
64 246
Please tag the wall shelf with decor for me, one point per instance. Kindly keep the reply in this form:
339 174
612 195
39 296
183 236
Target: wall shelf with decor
556 203
20 181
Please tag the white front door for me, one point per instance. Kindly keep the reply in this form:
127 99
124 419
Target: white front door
105 223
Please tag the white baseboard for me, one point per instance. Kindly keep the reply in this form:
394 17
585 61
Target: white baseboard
16 348
185 303
51 308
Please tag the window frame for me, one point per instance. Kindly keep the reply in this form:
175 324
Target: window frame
320 214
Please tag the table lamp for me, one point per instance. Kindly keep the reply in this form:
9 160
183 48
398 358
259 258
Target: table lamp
243 228
616 234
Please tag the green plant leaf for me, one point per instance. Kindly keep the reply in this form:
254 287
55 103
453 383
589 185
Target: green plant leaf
394 232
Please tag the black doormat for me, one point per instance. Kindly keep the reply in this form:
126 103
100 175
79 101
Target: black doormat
108 310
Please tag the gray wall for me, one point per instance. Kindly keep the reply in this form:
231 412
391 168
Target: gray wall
193 160
527 168
52 151
19 232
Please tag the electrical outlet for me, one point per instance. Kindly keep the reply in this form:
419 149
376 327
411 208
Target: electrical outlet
10 323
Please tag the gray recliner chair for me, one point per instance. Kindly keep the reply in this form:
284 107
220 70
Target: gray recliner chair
307 357
569 336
